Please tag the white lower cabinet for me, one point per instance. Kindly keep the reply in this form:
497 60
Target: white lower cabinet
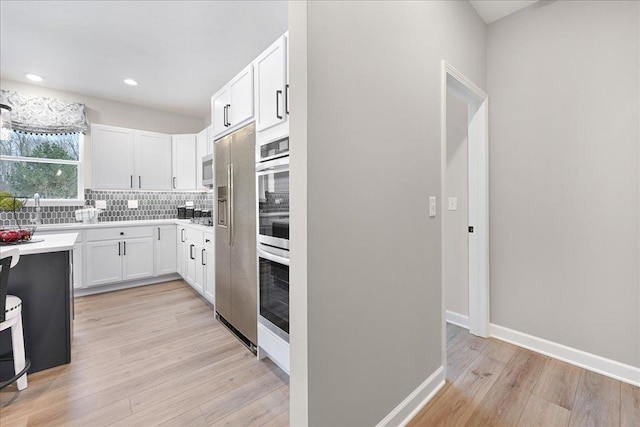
165 250
198 261
128 256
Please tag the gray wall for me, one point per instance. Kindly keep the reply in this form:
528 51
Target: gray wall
456 242
564 187
373 261
113 113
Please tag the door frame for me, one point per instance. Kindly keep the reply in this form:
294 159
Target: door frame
478 192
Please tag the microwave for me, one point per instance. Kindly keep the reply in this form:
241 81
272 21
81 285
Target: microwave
207 171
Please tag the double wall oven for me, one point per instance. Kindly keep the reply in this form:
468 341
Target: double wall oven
272 173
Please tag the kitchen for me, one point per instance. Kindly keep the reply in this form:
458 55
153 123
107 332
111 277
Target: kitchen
368 315
153 204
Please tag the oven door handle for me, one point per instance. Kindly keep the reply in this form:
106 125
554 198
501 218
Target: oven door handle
274 165
272 257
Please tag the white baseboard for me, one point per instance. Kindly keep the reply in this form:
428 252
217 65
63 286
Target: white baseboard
610 368
82 292
409 407
458 319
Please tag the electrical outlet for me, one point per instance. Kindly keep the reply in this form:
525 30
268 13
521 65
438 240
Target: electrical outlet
133 204
432 207
101 204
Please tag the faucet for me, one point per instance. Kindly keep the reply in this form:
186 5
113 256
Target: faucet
36 200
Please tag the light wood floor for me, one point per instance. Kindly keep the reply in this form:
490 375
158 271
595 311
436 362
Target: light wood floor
151 356
492 383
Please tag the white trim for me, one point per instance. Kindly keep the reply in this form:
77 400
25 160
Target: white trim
412 404
56 202
478 189
82 292
601 365
458 319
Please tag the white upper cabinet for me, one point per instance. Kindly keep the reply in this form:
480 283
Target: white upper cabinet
184 162
152 155
130 159
232 106
202 149
270 82
112 157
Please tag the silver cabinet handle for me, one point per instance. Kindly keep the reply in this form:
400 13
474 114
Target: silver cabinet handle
182 235
203 258
158 233
191 252
124 248
174 182
139 181
278 96
131 180
119 250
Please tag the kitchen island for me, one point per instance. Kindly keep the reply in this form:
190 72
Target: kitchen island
43 280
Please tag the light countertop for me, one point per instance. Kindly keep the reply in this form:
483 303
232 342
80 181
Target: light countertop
51 243
79 226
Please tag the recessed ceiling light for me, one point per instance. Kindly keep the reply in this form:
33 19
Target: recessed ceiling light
34 77
130 82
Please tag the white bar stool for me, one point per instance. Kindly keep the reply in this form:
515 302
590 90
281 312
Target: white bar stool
11 317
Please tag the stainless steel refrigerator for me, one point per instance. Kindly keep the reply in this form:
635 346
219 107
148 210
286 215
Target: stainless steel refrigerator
236 264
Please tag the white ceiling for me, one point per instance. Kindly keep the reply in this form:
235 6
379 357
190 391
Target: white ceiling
180 52
492 10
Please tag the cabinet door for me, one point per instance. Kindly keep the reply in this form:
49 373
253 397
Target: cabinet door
202 148
137 258
241 88
210 276
77 265
104 262
112 157
191 263
180 251
210 139
184 162
270 86
152 156
201 264
218 112
166 250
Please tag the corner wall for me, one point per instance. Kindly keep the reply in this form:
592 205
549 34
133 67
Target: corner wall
563 81
371 274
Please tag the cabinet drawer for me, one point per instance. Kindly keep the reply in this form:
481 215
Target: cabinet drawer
118 233
194 236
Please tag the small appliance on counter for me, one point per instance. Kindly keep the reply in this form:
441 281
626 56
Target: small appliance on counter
182 212
203 217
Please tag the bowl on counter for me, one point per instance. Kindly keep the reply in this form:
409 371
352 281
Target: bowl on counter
16 234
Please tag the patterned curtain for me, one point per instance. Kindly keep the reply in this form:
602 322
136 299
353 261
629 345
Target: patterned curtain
44 115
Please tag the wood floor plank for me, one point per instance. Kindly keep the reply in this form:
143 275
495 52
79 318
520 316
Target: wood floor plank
258 412
558 383
190 418
456 405
462 354
280 420
542 413
101 418
597 401
499 350
454 333
510 394
630 406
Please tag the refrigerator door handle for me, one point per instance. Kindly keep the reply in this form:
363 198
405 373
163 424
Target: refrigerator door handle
231 197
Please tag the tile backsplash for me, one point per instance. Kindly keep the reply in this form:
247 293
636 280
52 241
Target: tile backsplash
151 205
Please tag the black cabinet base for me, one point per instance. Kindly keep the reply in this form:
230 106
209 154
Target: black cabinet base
43 282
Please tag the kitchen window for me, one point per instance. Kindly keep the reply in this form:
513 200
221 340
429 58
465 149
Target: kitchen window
48 164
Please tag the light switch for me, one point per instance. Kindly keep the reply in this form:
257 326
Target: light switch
432 207
453 203
101 204
133 204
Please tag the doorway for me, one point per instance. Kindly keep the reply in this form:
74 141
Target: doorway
455 84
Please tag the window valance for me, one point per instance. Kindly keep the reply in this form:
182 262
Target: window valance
38 114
